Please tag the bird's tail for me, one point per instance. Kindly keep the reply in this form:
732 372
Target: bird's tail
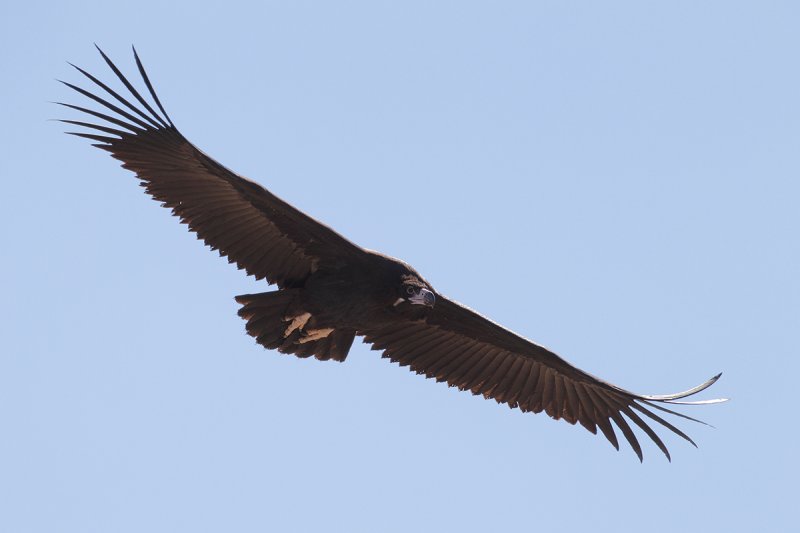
277 320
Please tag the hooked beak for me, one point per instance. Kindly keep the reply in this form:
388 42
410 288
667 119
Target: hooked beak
423 297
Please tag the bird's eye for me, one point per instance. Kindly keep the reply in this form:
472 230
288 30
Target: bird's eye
410 290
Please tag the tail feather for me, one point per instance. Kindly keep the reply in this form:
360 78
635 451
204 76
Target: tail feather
278 322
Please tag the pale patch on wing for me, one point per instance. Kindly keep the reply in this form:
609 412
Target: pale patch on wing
398 302
315 334
298 322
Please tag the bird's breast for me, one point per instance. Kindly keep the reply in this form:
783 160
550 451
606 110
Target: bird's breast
349 298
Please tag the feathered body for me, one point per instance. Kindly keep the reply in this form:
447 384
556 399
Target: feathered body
331 290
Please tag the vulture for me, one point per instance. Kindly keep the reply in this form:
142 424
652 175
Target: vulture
329 290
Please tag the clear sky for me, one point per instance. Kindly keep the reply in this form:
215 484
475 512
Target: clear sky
618 181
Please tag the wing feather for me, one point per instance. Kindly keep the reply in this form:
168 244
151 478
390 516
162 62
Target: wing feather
503 388
454 370
519 383
256 230
468 351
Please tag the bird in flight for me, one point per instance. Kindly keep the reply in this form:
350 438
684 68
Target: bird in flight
329 290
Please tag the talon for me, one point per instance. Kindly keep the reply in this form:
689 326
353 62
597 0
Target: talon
315 334
298 322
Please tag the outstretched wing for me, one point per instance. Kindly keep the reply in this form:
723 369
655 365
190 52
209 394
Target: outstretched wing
255 229
468 351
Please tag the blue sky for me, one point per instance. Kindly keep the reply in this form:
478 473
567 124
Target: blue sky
617 181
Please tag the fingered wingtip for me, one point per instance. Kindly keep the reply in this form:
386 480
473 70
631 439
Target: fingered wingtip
697 402
670 398
101 52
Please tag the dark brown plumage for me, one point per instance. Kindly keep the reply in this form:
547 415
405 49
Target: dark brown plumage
331 290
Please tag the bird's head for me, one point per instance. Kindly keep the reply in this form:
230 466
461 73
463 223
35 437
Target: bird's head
415 292
411 291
